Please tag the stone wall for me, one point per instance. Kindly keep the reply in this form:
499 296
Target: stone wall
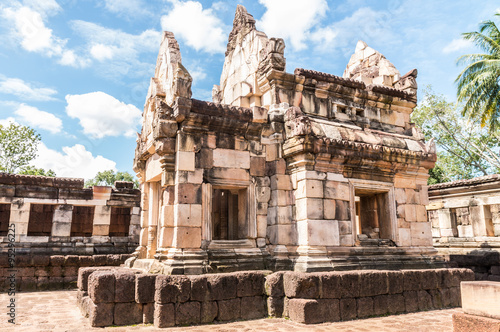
58 216
117 296
43 272
465 217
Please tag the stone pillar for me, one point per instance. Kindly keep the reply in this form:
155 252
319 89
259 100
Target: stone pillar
482 224
61 221
102 220
19 216
143 236
153 208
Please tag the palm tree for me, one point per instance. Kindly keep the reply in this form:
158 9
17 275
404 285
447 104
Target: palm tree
478 84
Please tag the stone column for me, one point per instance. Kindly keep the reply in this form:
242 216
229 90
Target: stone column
153 207
19 216
102 212
61 221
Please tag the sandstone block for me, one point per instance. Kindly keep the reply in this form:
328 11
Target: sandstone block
227 158
187 237
54 261
281 182
101 314
222 286
348 309
318 232
301 285
305 311
424 300
185 161
365 307
172 289
199 289
128 313
373 283
349 284
187 215
164 315
309 188
253 307
209 311
281 198
229 309
282 234
395 282
250 284
274 285
411 300
187 193
83 275
421 234
124 287
380 305
101 286
455 297
329 207
395 304
263 194
337 190
309 208
148 313
275 306
257 166
187 313
330 284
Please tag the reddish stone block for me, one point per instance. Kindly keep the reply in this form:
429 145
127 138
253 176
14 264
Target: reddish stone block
330 284
411 301
145 288
172 289
100 260
253 307
26 284
222 286
455 297
101 314
83 275
250 284
56 282
429 279
23 261
71 260
395 282
229 309
274 285
148 313
257 166
305 311
331 309
199 289
348 309
187 313
124 287
55 271
86 261
70 282
466 275
365 307
446 298
349 284
424 300
380 305
164 315
101 286
436 298
40 260
113 260
373 283
128 313
42 283
26 272
209 312
395 304
42 272
275 306
301 285
70 271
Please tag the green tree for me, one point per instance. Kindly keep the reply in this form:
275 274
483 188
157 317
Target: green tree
464 148
18 146
32 170
108 178
478 86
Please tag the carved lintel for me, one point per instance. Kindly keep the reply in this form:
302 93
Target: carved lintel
181 107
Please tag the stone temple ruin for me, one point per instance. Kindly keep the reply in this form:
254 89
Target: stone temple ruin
305 171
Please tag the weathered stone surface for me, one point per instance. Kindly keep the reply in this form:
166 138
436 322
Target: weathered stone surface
172 289
275 306
124 287
148 313
424 300
145 288
348 309
330 284
101 314
250 284
101 286
253 307
301 285
187 313
229 309
373 283
164 315
199 288
274 285
464 323
209 311
411 301
305 311
365 307
222 286
128 313
349 284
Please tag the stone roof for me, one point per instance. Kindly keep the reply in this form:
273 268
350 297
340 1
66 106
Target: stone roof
7 178
470 182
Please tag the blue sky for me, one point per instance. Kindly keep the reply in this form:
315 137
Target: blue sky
78 70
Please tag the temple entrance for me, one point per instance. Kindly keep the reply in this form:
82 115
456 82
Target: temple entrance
229 214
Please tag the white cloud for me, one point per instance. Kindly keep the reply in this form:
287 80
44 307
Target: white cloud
8 121
122 48
74 161
458 44
199 28
101 52
18 87
45 7
292 19
39 119
198 74
102 115
30 31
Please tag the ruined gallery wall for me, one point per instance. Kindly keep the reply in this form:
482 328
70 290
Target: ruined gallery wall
49 227
465 217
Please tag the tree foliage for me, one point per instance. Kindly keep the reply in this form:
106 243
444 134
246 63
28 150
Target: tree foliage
478 84
18 146
108 178
465 149
32 170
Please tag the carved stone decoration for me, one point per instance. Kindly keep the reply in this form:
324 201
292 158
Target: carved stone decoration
216 95
273 56
408 82
243 23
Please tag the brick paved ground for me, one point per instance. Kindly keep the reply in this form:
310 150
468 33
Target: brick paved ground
57 311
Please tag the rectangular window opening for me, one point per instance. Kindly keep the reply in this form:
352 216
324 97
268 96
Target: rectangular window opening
40 219
229 214
373 218
4 219
120 221
83 221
